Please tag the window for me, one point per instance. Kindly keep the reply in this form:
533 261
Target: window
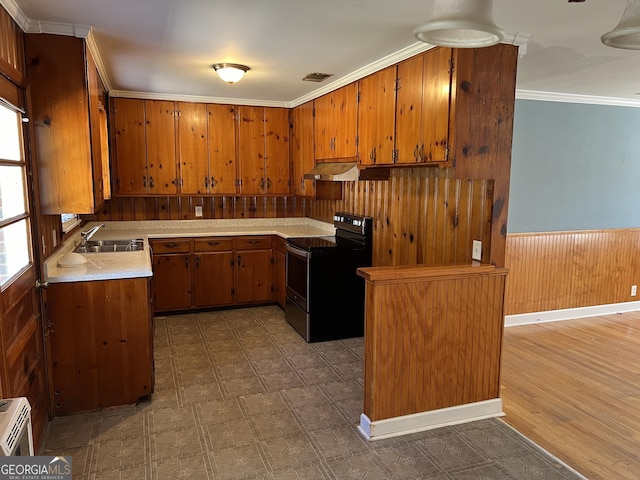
15 244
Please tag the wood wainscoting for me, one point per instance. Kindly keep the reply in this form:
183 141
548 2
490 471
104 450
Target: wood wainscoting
213 207
562 270
433 338
420 216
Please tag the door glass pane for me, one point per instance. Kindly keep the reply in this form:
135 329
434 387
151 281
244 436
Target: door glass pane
10 128
12 201
15 253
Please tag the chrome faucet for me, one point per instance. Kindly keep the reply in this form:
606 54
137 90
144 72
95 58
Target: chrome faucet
86 236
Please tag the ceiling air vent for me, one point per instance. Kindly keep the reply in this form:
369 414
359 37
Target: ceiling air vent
316 77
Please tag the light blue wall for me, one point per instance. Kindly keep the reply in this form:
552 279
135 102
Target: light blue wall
574 167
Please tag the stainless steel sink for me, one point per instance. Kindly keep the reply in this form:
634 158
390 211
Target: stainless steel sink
103 246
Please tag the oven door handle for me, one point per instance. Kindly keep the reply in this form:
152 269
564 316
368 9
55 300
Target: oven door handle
298 251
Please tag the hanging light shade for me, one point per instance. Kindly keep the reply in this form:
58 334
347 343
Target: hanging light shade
230 72
627 32
460 24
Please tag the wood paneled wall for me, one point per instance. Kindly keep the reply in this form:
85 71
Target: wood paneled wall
421 216
434 337
558 270
183 208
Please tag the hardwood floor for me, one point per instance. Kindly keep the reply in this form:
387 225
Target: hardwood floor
573 387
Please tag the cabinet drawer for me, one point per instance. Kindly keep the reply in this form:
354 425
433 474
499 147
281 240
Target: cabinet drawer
170 246
214 244
279 244
253 243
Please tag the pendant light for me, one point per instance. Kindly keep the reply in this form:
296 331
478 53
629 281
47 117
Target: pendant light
627 32
460 24
230 72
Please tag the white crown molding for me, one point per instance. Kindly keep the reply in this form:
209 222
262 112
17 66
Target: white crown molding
95 53
511 38
574 98
196 98
57 28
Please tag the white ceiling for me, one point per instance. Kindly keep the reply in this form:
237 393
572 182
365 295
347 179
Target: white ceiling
165 48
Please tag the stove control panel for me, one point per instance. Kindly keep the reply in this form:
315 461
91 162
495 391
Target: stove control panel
348 221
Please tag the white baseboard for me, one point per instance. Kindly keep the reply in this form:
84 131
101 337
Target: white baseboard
418 422
569 313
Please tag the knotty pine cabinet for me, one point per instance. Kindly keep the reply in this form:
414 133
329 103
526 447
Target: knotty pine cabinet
335 124
191 273
67 97
424 110
101 344
145 146
302 152
376 118
263 150
207 148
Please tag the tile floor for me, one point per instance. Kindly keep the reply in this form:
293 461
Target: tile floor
240 395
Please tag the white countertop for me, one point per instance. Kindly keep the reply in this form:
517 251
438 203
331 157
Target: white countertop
110 266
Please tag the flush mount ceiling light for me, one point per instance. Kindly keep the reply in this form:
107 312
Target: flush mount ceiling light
230 72
460 24
627 32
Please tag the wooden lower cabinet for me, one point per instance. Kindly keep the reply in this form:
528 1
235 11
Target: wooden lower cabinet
172 281
214 272
192 273
101 344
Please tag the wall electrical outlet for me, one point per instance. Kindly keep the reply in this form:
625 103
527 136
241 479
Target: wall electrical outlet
198 210
634 290
476 252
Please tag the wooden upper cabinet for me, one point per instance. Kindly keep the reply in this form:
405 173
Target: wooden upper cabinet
98 128
335 124
263 150
251 131
276 164
302 154
376 118
193 148
145 145
436 101
423 111
161 146
130 165
62 76
222 122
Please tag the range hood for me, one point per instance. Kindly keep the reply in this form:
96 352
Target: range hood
334 172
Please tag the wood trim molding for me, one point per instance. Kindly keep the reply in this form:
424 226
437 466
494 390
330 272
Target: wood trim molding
420 422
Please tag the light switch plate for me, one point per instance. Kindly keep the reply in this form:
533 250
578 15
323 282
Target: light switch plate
198 210
476 252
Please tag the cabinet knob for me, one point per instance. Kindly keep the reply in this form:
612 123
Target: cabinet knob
214 182
151 184
186 262
197 262
416 153
206 182
144 181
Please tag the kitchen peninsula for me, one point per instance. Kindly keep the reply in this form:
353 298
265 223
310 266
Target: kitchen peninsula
101 311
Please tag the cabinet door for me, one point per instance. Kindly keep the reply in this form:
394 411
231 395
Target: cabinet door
376 118
302 157
254 276
161 147
323 127
131 153
171 282
345 117
409 110
193 148
436 93
214 279
251 145
222 148
277 166
100 343
100 177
